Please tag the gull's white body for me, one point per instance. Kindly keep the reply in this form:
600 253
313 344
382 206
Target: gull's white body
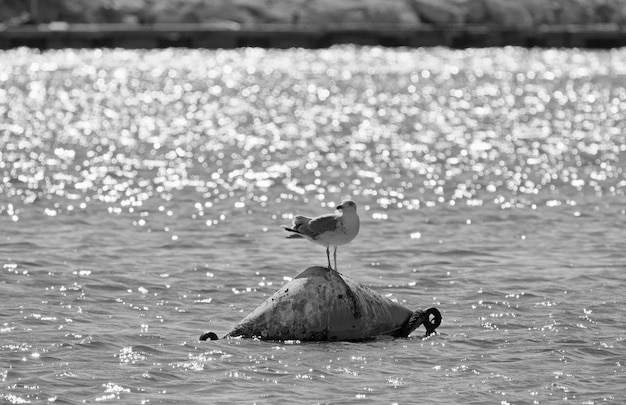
329 230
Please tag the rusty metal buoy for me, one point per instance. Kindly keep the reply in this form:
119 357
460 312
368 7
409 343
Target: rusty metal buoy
320 304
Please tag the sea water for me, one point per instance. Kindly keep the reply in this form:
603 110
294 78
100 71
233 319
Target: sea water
142 195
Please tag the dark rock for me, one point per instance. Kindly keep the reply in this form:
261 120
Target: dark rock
437 12
505 13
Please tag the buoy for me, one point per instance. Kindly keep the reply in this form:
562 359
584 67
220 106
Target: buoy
320 304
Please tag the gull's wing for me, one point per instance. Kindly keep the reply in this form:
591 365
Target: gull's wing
320 225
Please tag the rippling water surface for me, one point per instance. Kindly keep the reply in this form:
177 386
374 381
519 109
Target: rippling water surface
142 194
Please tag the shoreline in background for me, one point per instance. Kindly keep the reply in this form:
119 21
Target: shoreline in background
232 35
50 24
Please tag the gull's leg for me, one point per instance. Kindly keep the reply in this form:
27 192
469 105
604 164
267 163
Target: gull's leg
335 257
328 256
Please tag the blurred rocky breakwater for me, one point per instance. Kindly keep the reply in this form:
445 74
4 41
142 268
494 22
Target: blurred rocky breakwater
503 13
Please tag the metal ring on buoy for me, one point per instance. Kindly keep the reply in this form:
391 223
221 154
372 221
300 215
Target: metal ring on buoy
208 336
432 320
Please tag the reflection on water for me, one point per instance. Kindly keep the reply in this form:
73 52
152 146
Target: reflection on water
403 128
142 193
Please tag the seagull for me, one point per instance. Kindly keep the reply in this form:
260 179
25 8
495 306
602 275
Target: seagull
328 230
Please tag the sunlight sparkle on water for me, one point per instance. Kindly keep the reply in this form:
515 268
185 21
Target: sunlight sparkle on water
129 135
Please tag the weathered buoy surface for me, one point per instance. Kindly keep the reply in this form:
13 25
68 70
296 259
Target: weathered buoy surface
320 304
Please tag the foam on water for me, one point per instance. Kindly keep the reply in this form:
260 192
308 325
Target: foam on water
142 193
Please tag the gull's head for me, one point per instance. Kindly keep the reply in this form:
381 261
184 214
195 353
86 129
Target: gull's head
347 206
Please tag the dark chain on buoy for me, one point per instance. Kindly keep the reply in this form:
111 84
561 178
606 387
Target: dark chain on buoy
431 319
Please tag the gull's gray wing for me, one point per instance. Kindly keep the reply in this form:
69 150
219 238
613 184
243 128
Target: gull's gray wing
322 224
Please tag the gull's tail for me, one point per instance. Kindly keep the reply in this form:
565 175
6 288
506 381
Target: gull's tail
298 221
294 235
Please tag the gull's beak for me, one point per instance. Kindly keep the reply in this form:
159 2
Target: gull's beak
339 207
